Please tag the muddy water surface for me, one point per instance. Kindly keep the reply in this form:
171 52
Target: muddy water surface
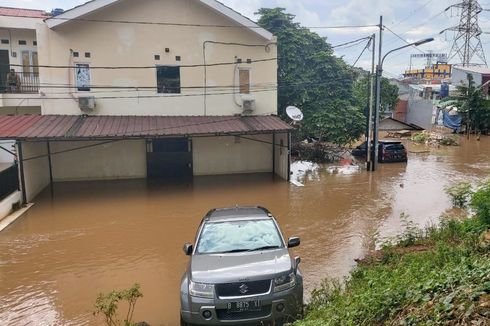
98 236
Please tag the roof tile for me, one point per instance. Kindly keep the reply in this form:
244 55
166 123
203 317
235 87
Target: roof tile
23 12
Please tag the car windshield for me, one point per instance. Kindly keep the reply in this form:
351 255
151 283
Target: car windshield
238 236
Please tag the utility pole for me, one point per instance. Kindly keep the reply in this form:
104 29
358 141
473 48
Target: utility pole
467 42
369 159
379 73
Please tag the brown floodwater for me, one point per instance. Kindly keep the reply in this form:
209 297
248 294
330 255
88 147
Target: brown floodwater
93 237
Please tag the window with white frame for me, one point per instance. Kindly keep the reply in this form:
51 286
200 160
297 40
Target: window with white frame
30 63
82 77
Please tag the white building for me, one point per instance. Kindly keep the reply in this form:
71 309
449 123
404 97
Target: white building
151 89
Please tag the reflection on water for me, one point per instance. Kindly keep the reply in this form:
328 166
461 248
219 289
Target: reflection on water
97 236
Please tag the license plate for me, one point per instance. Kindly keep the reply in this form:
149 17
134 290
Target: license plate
240 306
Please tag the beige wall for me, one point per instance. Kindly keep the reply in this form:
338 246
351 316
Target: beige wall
7 203
118 160
19 109
36 171
136 45
282 156
13 22
14 35
227 155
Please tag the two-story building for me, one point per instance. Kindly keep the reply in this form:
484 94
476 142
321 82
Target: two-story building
151 89
19 52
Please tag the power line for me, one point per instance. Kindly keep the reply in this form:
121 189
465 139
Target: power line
413 12
347 43
189 25
139 131
430 19
401 38
363 50
267 87
138 67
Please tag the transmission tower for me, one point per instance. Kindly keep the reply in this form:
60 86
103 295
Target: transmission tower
467 42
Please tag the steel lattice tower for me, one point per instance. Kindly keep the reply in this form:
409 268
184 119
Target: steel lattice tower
467 42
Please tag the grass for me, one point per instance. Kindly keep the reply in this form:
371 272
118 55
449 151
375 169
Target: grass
440 276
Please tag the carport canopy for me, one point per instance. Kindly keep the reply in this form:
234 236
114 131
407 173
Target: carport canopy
80 127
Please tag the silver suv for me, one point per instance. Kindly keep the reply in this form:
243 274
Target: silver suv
240 271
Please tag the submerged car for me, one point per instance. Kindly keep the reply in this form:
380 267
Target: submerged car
241 271
388 151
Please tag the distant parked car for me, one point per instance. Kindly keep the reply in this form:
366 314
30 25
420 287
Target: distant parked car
388 151
241 272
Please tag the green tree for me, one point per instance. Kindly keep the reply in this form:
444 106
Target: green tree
472 105
312 78
389 93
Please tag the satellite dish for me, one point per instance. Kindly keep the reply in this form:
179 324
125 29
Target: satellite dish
294 113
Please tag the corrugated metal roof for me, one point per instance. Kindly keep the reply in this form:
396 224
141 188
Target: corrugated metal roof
22 12
58 127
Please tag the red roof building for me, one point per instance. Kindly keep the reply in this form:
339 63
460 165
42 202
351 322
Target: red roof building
22 12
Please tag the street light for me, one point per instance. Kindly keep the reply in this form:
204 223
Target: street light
379 73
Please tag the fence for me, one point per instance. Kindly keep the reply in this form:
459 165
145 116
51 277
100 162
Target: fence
9 181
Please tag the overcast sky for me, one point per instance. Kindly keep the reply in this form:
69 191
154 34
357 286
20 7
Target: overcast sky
411 19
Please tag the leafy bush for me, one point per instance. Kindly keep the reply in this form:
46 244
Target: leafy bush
421 137
449 141
460 194
107 304
480 202
443 280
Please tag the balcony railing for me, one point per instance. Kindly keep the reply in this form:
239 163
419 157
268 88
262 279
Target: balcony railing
21 83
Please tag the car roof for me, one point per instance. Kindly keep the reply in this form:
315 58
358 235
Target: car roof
237 213
388 141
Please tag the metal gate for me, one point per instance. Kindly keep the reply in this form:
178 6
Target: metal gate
4 69
9 181
169 158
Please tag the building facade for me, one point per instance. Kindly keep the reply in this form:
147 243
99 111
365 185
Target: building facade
438 71
151 89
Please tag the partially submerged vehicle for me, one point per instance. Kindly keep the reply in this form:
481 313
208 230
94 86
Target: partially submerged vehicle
388 151
241 271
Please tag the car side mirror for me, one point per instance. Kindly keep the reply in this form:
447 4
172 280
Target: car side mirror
188 248
293 242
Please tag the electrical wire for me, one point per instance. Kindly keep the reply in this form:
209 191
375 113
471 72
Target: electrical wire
255 26
139 131
412 13
347 43
138 67
219 90
430 19
363 50
401 38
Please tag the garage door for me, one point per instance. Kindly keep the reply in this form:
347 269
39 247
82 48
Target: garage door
169 158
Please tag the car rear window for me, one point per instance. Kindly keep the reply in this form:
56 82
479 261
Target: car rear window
395 147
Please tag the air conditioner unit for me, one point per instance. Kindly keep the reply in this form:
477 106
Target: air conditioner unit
86 103
248 103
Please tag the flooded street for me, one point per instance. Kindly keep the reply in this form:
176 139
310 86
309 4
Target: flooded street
93 237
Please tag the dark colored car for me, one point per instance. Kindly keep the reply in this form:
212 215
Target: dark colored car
388 151
241 271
